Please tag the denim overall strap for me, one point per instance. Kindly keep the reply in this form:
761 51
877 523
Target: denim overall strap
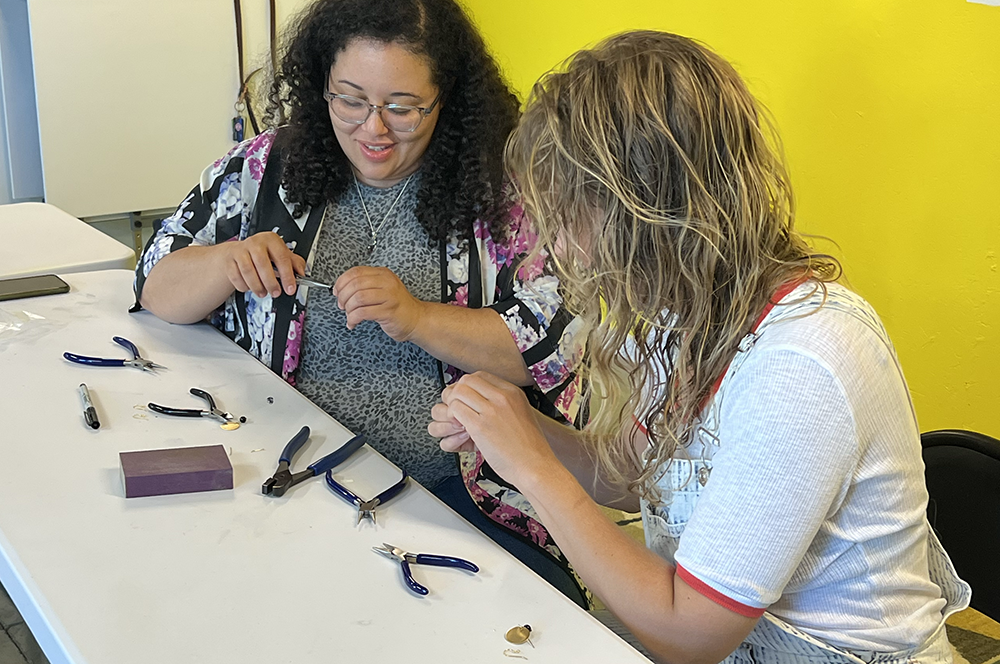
957 592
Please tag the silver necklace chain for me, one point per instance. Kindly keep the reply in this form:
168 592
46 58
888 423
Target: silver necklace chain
371 227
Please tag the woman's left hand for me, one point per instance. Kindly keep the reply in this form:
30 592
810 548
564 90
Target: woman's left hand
498 419
377 294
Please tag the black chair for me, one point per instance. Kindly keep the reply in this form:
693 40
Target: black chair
963 480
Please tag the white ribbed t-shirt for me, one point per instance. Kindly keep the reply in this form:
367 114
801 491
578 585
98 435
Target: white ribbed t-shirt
813 502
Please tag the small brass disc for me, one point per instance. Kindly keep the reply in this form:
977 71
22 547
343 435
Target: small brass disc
518 635
230 426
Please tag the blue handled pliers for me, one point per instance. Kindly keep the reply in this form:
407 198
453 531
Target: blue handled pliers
137 360
366 508
283 478
405 559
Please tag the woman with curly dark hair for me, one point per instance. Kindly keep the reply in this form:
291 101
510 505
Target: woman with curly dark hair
381 175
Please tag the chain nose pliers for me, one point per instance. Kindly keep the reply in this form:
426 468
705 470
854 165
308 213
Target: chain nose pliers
405 559
137 361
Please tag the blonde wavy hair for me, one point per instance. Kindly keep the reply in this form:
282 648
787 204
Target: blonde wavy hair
657 186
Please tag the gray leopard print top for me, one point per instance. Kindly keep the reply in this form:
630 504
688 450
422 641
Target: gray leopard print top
365 380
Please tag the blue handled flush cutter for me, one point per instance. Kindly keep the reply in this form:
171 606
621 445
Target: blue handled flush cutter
405 559
283 478
137 360
366 508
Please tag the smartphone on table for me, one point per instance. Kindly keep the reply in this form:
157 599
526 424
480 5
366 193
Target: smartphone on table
20 287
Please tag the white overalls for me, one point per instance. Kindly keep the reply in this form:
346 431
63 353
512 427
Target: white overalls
774 641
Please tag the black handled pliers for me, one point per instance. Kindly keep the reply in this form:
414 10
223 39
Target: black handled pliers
283 478
213 411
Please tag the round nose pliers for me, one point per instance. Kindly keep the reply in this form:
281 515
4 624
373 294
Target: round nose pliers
405 559
283 478
137 361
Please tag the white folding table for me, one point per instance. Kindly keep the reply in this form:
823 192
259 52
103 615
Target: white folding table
227 576
41 239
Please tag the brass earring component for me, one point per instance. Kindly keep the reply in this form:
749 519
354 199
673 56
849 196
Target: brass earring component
520 634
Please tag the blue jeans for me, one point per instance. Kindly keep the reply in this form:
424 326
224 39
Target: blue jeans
452 492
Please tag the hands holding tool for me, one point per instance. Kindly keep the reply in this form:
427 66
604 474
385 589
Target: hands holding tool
251 264
482 411
377 294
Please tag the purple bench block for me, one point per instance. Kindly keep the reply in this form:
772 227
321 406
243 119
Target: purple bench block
175 470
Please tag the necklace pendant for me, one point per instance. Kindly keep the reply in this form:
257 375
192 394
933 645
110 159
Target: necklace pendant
371 226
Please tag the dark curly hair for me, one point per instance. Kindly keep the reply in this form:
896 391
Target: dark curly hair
462 170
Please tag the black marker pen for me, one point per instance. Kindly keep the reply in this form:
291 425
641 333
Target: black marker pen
89 412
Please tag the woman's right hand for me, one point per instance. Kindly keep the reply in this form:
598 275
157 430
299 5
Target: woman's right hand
251 264
481 411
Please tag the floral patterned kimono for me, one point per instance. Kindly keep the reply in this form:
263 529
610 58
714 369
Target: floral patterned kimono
241 194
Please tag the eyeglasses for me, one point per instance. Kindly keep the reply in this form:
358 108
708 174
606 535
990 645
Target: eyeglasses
399 117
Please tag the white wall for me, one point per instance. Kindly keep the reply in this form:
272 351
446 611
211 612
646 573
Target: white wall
20 156
135 97
256 26
4 166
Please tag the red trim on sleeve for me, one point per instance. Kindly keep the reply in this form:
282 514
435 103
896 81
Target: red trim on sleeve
711 593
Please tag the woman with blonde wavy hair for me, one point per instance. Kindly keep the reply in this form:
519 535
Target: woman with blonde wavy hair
752 406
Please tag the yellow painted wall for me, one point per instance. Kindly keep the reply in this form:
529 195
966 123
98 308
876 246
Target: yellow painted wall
890 114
